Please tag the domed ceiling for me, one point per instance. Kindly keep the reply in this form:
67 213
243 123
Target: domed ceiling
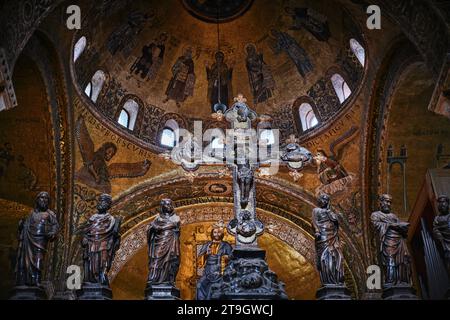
279 54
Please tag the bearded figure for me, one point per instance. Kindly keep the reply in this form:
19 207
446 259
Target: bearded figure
35 233
213 256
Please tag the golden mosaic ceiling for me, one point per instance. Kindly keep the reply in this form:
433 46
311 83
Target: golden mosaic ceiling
297 45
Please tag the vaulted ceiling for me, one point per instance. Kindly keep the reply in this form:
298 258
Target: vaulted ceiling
402 73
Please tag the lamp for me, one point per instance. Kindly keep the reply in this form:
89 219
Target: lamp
219 107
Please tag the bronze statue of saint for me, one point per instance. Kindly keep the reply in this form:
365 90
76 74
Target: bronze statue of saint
329 258
213 257
392 233
441 228
100 242
164 245
35 232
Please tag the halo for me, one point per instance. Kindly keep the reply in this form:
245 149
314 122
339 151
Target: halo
187 47
218 225
249 45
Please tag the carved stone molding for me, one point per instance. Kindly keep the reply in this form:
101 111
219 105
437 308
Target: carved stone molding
7 95
421 22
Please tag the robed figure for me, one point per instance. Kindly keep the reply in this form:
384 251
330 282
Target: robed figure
441 228
392 233
259 75
298 55
212 257
100 242
164 245
34 235
149 63
219 77
313 21
329 258
181 85
123 38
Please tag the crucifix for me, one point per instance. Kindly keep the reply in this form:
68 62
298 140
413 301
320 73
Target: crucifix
247 275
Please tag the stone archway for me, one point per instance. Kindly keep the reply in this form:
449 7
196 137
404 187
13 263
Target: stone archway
282 239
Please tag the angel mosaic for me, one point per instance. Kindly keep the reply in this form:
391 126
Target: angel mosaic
96 172
330 171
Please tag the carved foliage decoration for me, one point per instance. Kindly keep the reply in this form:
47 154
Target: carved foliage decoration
150 119
284 120
323 94
109 102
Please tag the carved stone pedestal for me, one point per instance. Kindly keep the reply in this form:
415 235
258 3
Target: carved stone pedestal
94 291
161 292
28 293
372 295
65 295
248 277
333 292
399 292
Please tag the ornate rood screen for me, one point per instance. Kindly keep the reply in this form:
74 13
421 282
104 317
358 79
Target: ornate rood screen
244 151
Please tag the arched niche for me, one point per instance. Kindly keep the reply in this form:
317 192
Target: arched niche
289 253
40 140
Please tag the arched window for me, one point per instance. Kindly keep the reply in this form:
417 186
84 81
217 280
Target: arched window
88 89
307 116
128 115
124 118
340 86
358 50
217 143
98 79
169 135
79 48
267 136
168 138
